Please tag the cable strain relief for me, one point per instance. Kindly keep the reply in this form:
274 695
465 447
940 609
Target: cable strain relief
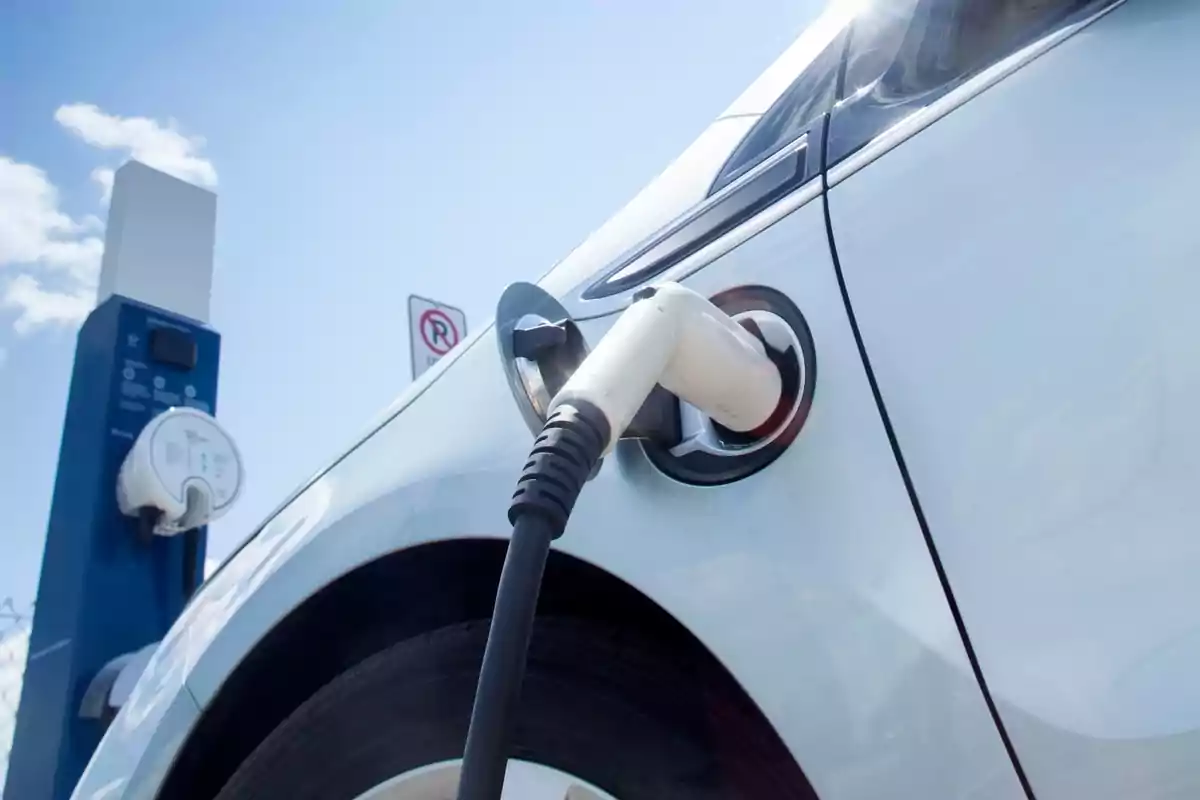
561 461
148 517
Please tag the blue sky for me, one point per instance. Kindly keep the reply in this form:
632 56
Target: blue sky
360 152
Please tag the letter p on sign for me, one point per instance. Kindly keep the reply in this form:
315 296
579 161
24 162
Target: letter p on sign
433 330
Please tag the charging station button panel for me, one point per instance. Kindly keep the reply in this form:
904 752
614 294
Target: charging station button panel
174 348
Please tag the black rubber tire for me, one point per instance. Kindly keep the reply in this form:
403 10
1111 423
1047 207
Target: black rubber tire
625 718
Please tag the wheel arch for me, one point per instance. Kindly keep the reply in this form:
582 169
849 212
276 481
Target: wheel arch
403 594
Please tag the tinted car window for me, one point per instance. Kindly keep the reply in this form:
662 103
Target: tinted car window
917 45
885 39
903 53
988 30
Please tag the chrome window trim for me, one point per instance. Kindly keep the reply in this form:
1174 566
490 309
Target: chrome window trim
620 272
787 149
920 120
582 309
835 50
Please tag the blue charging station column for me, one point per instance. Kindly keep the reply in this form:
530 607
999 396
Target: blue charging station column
104 591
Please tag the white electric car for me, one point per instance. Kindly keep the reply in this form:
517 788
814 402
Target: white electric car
966 564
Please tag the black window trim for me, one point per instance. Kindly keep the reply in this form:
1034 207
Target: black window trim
822 73
777 176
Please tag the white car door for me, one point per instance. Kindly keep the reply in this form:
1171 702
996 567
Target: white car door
1012 199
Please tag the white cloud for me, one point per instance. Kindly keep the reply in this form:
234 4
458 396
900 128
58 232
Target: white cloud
36 235
104 177
91 224
34 231
53 259
38 307
162 147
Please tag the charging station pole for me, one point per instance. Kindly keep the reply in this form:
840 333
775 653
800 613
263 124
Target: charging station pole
104 591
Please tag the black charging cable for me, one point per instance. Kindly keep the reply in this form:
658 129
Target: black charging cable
562 459
191 566
148 519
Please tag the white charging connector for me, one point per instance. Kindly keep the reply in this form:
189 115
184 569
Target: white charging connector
670 336
677 338
184 466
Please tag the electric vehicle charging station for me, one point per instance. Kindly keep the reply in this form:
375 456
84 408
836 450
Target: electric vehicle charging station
143 467
1020 353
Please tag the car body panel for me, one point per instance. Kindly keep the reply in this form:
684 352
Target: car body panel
1037 358
830 614
811 580
139 747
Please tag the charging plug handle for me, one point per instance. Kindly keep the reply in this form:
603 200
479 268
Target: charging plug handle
560 463
674 338
670 338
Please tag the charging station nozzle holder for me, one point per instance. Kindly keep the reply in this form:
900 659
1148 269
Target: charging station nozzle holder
182 472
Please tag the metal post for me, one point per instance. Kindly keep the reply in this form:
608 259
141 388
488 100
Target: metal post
103 591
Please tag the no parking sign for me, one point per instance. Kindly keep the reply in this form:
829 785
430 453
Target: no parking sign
433 330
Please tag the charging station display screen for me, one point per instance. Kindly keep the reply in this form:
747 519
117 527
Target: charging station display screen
172 347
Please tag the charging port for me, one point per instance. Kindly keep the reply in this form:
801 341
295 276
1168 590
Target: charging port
704 452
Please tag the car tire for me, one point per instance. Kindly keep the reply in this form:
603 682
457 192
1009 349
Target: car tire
624 715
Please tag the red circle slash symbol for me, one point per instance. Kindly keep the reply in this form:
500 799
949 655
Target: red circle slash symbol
438 331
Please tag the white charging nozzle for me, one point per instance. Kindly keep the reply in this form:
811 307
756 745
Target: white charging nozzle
671 337
675 337
184 465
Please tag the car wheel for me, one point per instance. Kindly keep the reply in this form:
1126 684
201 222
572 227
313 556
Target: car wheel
603 717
